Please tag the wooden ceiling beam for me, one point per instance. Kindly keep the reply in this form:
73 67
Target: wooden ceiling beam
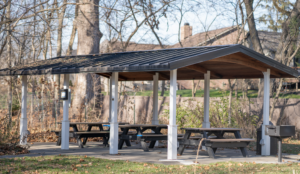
164 76
122 77
107 75
247 63
200 69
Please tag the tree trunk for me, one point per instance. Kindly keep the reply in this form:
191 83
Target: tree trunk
89 37
56 81
193 88
229 101
260 92
236 89
287 45
74 30
163 83
254 37
9 63
252 27
60 15
245 88
289 32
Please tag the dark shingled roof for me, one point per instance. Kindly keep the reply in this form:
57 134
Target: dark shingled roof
142 61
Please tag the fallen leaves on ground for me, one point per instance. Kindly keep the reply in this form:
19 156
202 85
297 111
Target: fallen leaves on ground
206 167
12 149
74 164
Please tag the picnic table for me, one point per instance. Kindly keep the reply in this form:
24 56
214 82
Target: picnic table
141 136
213 142
78 134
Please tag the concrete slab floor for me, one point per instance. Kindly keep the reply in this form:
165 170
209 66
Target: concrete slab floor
156 155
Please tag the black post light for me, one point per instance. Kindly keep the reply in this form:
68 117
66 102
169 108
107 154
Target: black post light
64 94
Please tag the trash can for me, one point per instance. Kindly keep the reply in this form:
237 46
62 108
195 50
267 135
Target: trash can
273 143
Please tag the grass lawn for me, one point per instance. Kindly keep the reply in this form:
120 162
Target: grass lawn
291 146
80 164
213 93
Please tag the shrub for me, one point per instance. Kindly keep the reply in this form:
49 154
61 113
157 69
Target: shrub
190 113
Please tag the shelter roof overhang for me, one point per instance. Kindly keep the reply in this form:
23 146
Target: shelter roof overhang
224 62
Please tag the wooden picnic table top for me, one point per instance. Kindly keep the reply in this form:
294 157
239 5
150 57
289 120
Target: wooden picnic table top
143 126
231 140
212 129
94 123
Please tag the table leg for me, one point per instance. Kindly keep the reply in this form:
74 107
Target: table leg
58 143
219 135
152 143
205 135
86 138
105 140
214 149
156 131
79 142
181 143
121 142
127 142
75 129
223 132
243 149
211 152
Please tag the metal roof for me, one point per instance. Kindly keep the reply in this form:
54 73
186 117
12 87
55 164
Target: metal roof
141 61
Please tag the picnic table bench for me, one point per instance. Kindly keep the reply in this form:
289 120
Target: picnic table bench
89 133
213 142
141 136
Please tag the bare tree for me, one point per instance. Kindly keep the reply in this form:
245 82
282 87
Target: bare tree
129 18
288 47
74 30
89 37
9 62
56 85
254 37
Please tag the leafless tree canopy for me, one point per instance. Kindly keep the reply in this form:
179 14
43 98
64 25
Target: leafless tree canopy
32 30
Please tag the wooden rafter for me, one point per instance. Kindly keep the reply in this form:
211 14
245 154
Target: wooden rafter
164 76
107 75
200 69
245 62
